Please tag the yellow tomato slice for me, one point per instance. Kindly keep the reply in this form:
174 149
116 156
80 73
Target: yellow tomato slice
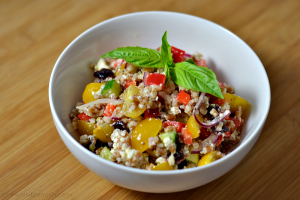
85 128
235 101
104 132
147 128
163 166
209 158
193 127
90 90
127 110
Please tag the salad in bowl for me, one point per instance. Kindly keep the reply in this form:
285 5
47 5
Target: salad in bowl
157 109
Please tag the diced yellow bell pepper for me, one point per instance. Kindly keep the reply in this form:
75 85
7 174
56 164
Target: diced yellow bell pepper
209 158
90 90
85 128
235 101
104 132
193 127
163 166
147 128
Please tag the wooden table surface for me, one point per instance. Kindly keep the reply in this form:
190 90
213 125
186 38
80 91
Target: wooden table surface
35 162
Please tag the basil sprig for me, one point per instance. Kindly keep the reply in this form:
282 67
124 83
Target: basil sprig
186 74
138 56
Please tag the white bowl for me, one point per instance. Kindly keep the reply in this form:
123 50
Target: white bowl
233 61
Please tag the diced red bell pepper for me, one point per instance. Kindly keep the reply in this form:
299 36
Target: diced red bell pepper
215 100
227 117
84 117
221 85
160 99
178 125
118 62
227 134
156 79
218 101
220 138
109 109
130 82
204 133
183 97
236 121
151 112
177 54
187 136
201 62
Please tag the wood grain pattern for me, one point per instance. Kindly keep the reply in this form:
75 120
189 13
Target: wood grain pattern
35 162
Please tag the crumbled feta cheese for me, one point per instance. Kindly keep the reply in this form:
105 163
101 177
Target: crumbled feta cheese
209 148
131 125
171 160
175 110
226 106
196 145
152 141
167 142
197 55
101 65
214 112
239 112
234 135
160 160
92 120
130 153
169 129
219 126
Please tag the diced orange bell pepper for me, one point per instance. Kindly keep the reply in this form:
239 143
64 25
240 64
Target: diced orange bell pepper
84 117
183 97
109 109
130 82
187 136
201 62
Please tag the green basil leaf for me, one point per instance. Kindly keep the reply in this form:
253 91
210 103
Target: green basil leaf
166 49
191 61
196 78
167 73
142 57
